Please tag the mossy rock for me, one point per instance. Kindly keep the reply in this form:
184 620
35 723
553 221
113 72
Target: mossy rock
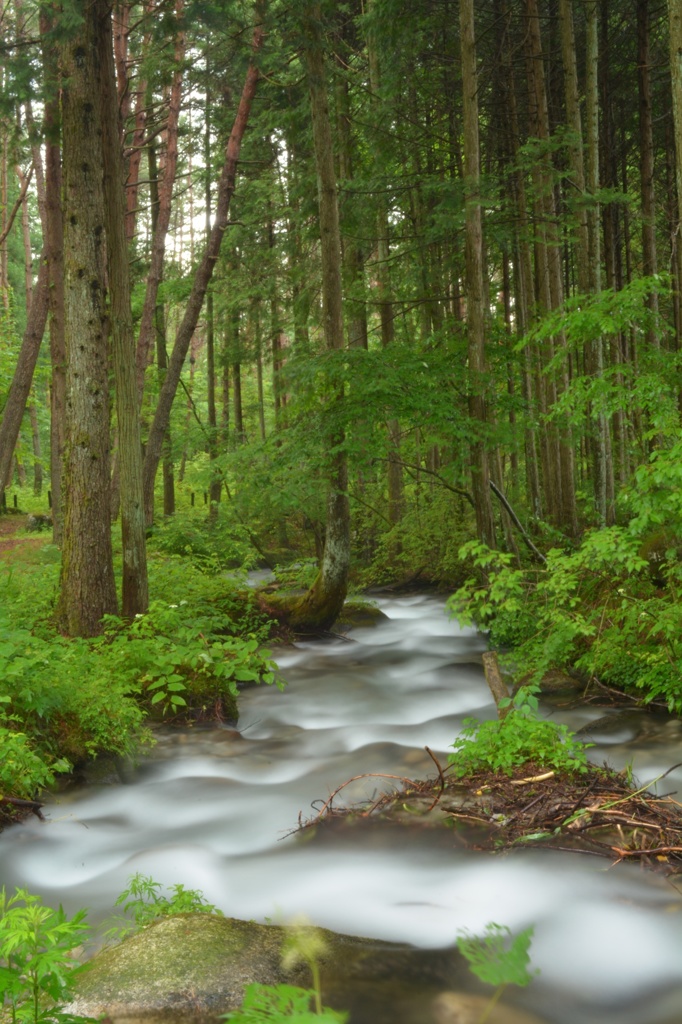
192 968
181 969
359 613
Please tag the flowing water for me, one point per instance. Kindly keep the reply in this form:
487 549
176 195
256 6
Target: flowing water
214 809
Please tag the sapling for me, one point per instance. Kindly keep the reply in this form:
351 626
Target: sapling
497 961
37 964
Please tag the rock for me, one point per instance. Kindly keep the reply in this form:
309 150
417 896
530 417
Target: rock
464 1008
192 968
37 523
181 969
359 614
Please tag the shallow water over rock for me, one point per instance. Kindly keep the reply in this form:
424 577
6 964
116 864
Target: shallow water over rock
213 809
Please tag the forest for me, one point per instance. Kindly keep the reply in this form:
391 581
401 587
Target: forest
357 294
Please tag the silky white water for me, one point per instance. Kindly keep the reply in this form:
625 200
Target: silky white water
214 810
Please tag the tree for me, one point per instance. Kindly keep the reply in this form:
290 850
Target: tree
88 589
320 607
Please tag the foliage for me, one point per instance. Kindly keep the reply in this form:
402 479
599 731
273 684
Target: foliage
610 607
497 961
23 772
507 743
189 654
270 1004
172 650
38 673
144 901
37 964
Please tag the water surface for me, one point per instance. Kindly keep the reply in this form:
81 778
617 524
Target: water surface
214 810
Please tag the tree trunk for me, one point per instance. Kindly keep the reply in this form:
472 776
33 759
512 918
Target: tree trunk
165 195
37 464
202 277
135 588
88 589
320 607
23 374
646 163
54 249
475 290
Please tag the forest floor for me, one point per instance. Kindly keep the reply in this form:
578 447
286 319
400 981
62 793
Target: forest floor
597 813
16 549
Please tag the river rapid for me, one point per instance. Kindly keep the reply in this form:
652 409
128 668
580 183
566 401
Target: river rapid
214 810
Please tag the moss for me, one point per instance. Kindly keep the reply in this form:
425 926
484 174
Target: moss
180 968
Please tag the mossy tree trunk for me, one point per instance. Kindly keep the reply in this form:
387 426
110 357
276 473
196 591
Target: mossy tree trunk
87 578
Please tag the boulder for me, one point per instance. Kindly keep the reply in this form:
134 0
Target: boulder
192 968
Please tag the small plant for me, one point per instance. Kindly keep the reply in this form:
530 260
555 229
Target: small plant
495 960
144 901
37 964
505 744
271 1004
268 1004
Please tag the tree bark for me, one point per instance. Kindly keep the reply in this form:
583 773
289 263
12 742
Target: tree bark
646 164
320 607
23 374
475 291
135 588
88 589
54 248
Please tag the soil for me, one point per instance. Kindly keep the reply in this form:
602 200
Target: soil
598 813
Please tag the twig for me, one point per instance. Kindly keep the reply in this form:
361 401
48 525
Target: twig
534 778
366 775
440 775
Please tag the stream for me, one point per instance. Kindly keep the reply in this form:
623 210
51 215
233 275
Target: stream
214 809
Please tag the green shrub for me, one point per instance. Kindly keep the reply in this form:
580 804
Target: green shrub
598 607
37 967
23 773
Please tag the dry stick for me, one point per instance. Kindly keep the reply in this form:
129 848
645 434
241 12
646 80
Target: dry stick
496 683
366 775
641 853
440 774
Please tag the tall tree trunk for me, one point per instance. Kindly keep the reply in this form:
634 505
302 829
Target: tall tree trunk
23 375
37 464
54 249
135 588
321 605
646 165
88 589
202 277
475 291
215 485
165 195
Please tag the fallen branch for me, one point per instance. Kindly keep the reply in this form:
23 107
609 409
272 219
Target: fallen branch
517 522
